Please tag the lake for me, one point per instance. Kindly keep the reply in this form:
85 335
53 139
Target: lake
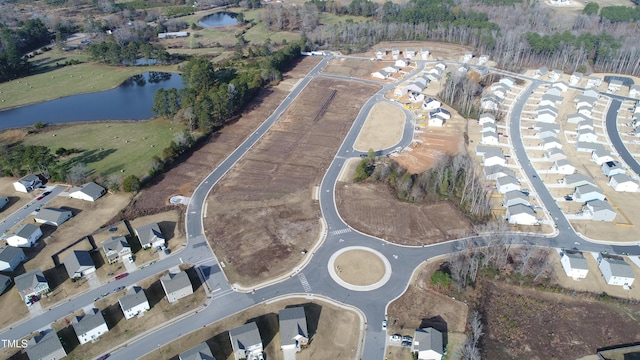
132 100
218 19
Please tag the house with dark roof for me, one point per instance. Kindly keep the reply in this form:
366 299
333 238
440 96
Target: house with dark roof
116 248
90 326
5 281
10 258
88 192
79 264
176 286
46 345
246 342
201 351
134 303
27 183
26 236
574 265
428 344
150 236
53 216
293 328
31 285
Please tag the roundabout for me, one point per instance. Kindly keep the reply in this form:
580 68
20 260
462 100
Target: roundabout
359 268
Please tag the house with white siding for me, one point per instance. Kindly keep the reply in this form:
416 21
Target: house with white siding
486 118
601 156
563 167
550 143
577 179
586 135
574 265
245 341
87 192
293 328
27 183
53 216
507 183
90 326
176 286
598 210
586 193
515 197
521 215
623 183
616 271
575 78
26 236
427 344
10 258
555 154
611 168
576 118
134 303
496 171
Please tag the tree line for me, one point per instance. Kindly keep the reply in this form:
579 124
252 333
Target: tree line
15 43
113 53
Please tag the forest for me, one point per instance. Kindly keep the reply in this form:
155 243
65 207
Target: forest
15 42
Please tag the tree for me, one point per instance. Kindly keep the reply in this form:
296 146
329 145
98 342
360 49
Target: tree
591 8
199 75
440 280
78 173
131 184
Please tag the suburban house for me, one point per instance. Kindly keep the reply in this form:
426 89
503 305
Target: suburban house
585 110
541 71
614 85
584 100
563 167
53 216
395 53
500 90
592 94
10 258
623 183
5 281
428 344
521 215
3 201
611 168
293 328
508 82
489 137
515 197
587 192
79 264
489 127
507 183
467 56
26 236
598 210
245 341
555 91
416 97
380 53
90 326
545 133
424 54
176 286
464 68
444 113
576 118
594 81
402 63
415 86
116 248
634 90
380 74
586 135
88 192
577 179
555 154
574 265
134 303
548 99
550 143
493 158
201 351
391 69
433 75
601 156
409 53
482 150
546 113
150 236
481 70
575 78
436 120
585 125
490 102
555 75
582 146
543 126
483 59
27 183
31 285
46 345
496 171
616 271
560 85
486 118
431 104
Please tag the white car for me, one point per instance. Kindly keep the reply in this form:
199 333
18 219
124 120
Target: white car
130 258
384 324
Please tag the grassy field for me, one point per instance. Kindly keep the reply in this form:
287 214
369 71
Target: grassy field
110 147
54 82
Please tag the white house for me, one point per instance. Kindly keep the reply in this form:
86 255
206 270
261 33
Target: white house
53 216
623 183
88 192
601 156
381 53
245 341
508 82
515 197
402 63
554 91
541 71
576 118
150 236
79 264
616 271
507 183
546 113
483 59
577 179
464 68
293 328
424 54
486 118
561 85
395 53
614 85
585 193
26 236
10 258
548 99
574 265
598 210
611 168
436 120
594 81
496 171
521 215
550 143
586 135
416 97
575 78
31 285
416 87
540 126
409 53
490 127
489 138
546 133
380 74
90 326
585 125
176 286
500 91
584 100
555 154
467 56
582 146
391 69
431 104
175 34
493 158
442 112
134 303
563 167
490 102
27 183
590 93
585 110
634 90
428 344
555 75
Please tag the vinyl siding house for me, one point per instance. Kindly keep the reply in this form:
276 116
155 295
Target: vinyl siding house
586 135
444 113
543 126
585 125
574 265
436 120
493 158
585 100
27 183
380 74
634 90
150 236
515 197
585 110
575 180
553 91
489 127
483 59
31 284
116 248
10 258
424 54
79 264
623 183
90 326
611 168
614 85
576 118
134 303
507 183
53 216
431 104
496 171
521 215
500 90
561 85
582 146
545 114
598 210
428 344
201 351
26 236
490 102
555 154
593 81
489 138
585 193
601 156
391 69
46 345
87 192
245 341
575 78
176 286
592 94
563 167
541 71
555 75
486 118
548 99
545 134
409 53
293 328
550 143
616 271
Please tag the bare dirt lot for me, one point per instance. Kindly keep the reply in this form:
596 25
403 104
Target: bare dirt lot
438 50
261 215
359 267
402 223
529 324
383 128
358 68
335 332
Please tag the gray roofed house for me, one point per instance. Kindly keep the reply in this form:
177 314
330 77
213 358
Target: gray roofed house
550 142
616 271
551 99
53 216
78 264
5 281
586 99
589 147
577 261
90 326
176 286
32 283
576 118
10 258
611 168
574 264
89 192
201 351
27 235
598 210
577 179
134 303
544 108
150 235
45 346
587 192
547 126
586 135
601 156
555 154
496 171
27 183
489 127
246 341
505 184
293 328
481 150
585 124
428 343
542 71
115 248
515 197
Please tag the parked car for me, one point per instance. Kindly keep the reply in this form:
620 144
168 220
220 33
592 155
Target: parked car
568 198
40 197
130 258
406 343
395 337
384 324
46 193
407 338
104 357
121 276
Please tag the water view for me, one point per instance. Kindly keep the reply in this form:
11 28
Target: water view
219 19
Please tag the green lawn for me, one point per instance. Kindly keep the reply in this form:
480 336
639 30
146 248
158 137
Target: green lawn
110 147
259 33
65 81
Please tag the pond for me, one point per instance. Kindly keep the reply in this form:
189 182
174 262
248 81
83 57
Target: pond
132 100
219 19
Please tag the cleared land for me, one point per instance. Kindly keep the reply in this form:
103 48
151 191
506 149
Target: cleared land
529 324
359 267
262 209
399 222
438 50
335 332
383 128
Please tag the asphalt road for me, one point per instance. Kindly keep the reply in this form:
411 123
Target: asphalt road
616 140
15 218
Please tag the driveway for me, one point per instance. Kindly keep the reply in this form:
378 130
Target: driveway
130 266
93 280
35 309
289 354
